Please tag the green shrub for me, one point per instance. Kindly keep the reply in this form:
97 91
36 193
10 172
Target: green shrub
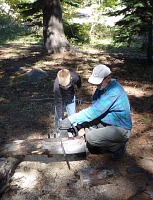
100 31
77 32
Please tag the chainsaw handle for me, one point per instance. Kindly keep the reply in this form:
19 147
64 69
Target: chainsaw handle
73 130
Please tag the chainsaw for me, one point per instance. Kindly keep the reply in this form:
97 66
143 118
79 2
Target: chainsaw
63 132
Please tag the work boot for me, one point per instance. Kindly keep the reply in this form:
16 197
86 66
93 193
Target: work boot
120 153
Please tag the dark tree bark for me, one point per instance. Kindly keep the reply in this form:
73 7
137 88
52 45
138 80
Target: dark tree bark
150 36
54 37
150 46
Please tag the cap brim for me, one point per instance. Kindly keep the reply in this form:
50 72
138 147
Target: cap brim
95 80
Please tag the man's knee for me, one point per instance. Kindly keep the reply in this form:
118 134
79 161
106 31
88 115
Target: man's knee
89 136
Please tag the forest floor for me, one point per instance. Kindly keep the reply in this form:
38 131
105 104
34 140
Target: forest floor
43 178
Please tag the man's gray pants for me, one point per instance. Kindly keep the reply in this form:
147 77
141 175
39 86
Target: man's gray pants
108 138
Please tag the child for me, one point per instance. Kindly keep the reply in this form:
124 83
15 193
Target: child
65 86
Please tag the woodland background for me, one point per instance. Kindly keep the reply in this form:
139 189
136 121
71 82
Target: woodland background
78 35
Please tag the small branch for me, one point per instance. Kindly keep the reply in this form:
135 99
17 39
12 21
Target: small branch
79 101
43 99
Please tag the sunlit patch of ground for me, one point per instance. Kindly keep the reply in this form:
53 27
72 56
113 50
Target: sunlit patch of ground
138 92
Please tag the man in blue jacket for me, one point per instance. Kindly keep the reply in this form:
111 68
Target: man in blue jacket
110 106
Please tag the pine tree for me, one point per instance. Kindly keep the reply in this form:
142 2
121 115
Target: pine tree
53 32
137 22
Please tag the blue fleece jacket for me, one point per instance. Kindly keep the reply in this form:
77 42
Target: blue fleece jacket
110 104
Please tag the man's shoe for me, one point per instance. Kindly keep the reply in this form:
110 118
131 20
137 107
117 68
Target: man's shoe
120 153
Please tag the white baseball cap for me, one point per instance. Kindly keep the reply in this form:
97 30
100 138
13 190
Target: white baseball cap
98 74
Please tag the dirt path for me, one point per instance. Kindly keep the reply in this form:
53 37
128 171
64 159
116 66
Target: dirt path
43 178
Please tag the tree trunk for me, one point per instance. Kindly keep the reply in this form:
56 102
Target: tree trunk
149 45
53 31
150 40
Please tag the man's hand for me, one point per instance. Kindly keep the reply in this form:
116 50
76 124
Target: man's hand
65 124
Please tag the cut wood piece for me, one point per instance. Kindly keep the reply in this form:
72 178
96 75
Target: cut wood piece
44 146
95 176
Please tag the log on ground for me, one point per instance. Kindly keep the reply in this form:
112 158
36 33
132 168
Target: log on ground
48 147
7 168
